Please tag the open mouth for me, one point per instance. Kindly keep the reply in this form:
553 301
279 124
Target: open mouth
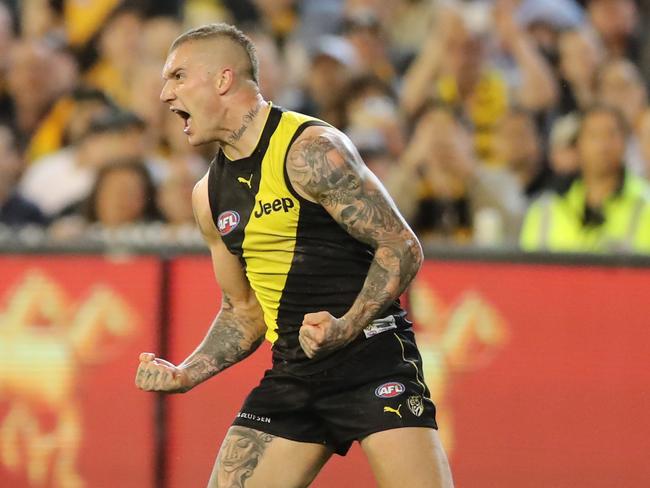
183 115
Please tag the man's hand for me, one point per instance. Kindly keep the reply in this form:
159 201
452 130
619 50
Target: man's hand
155 374
322 333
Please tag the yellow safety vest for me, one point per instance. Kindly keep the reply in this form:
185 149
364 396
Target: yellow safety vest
555 222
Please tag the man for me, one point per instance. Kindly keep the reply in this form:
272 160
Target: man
310 251
607 209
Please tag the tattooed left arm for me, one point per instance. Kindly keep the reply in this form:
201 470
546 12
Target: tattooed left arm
324 167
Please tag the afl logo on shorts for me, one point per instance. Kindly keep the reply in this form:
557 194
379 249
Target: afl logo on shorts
227 221
390 390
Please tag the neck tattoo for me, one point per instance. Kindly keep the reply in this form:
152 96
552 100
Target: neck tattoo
246 121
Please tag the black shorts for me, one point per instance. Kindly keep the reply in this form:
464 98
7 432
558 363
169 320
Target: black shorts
379 387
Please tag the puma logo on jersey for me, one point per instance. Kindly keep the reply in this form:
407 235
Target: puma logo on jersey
393 410
246 181
275 206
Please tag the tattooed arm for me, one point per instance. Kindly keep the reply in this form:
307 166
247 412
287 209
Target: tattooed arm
236 332
324 167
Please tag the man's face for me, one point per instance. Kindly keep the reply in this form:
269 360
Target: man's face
325 80
579 56
517 142
121 198
613 19
601 144
463 52
30 71
190 90
621 86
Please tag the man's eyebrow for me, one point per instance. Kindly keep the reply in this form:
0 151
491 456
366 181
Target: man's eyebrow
171 74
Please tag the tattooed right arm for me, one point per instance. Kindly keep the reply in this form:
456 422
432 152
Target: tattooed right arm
238 328
236 332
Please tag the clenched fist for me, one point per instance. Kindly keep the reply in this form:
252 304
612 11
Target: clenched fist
155 374
321 333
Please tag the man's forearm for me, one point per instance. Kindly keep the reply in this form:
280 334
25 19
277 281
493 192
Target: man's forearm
391 271
231 338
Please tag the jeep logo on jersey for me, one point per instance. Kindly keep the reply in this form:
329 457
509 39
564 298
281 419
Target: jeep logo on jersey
227 221
390 390
275 206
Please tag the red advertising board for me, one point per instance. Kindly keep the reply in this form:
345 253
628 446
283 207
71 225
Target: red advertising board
540 372
71 329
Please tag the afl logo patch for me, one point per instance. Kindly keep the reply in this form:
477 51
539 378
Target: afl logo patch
390 390
227 221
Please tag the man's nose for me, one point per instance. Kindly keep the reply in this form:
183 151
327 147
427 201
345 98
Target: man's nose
167 93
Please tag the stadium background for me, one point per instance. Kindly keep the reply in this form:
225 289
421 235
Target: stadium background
537 361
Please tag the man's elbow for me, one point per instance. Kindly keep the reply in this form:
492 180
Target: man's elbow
415 254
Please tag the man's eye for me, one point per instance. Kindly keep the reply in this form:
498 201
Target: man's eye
178 76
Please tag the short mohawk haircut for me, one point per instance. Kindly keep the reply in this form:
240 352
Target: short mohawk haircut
223 30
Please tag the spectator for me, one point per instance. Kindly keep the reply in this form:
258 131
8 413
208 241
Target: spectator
123 194
372 118
453 67
88 105
39 19
364 31
38 76
61 179
439 184
606 209
14 209
158 33
616 22
144 101
332 66
119 49
563 153
621 86
175 197
518 147
580 56
407 26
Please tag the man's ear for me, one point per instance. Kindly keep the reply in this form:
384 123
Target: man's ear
225 81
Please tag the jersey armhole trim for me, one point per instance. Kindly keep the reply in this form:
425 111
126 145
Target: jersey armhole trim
301 128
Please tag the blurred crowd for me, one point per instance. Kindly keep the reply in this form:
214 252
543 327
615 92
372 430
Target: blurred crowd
491 122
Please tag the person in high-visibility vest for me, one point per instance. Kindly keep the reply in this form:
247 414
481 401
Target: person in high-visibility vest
606 209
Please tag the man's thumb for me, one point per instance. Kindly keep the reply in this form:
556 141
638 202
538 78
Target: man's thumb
313 318
147 357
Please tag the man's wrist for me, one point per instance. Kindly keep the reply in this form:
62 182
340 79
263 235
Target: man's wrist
353 324
189 376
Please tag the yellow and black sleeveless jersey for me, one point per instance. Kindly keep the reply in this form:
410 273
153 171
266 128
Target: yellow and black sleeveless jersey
296 257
